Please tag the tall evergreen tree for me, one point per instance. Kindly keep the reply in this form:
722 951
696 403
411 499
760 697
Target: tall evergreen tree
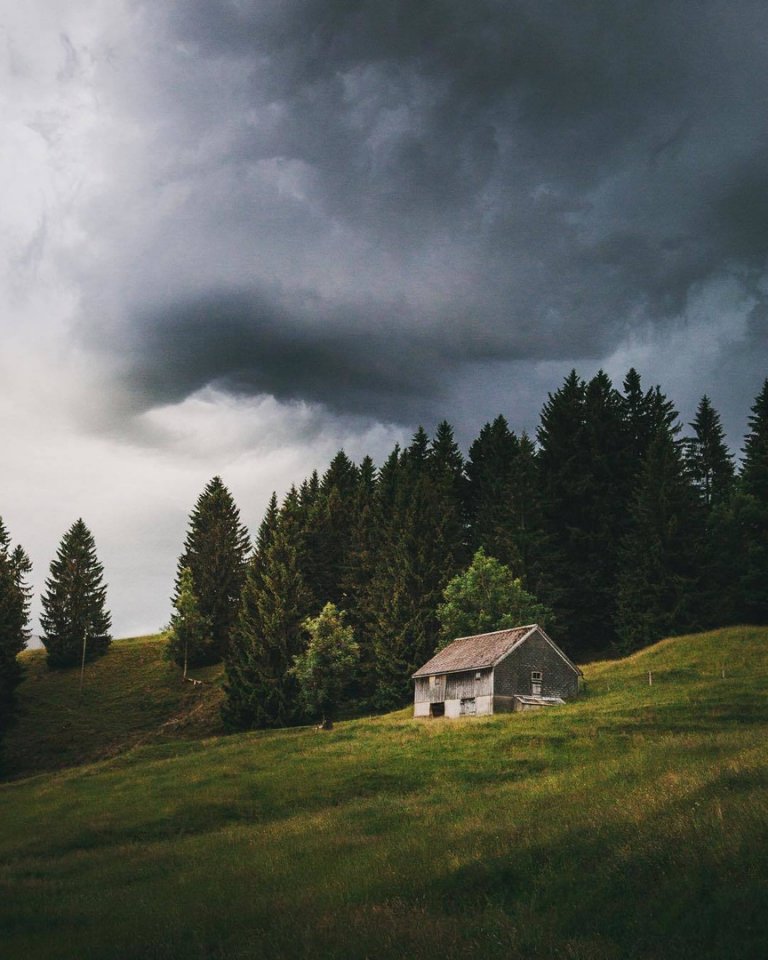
215 552
661 552
491 492
14 618
423 546
709 463
75 617
585 483
751 515
260 690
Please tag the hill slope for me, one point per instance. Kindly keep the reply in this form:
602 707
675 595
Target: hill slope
129 696
630 824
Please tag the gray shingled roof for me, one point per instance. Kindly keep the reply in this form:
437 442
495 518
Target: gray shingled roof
474 653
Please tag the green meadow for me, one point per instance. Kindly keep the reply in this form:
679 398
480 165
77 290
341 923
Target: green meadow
632 823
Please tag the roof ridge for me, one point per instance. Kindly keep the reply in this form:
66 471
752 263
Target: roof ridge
491 633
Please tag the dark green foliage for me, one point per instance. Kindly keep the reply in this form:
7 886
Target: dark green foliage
751 515
709 463
215 550
492 492
423 544
327 666
189 631
14 618
74 602
260 691
487 596
585 475
661 552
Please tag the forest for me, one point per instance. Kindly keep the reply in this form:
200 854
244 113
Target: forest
615 524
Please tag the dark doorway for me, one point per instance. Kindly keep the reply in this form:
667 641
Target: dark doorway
437 709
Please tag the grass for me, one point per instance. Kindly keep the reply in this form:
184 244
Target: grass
129 696
630 824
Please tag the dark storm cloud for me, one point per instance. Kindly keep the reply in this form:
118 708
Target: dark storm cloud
378 192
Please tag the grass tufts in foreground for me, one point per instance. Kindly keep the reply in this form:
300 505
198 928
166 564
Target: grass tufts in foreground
630 824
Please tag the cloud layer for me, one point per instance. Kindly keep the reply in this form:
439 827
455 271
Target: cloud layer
240 234
345 203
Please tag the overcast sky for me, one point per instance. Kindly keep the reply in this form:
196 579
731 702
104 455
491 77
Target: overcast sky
236 236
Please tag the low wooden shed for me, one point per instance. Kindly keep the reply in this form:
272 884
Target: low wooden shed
517 669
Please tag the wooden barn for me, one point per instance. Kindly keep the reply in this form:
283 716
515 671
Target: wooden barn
517 669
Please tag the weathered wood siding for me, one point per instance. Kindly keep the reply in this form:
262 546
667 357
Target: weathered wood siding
454 686
513 673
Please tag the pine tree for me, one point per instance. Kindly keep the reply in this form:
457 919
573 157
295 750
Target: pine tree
189 631
661 552
751 515
75 620
491 492
215 551
585 489
754 472
709 462
423 545
14 618
260 690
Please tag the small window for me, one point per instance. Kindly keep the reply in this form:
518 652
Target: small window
536 676
478 675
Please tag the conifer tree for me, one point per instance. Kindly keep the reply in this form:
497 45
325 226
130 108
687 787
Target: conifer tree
491 492
751 515
359 571
423 546
75 620
661 552
215 551
189 631
260 690
583 443
707 456
14 618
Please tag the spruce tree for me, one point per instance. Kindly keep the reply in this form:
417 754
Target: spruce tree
658 585
423 546
75 620
14 618
585 489
260 690
491 493
751 515
215 551
709 463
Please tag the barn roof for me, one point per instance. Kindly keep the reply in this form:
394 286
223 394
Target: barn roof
481 651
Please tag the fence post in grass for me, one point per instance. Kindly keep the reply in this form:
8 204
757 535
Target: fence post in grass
650 679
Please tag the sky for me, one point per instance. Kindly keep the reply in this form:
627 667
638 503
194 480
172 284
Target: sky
238 236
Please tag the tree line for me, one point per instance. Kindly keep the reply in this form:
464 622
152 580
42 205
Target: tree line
612 523
611 526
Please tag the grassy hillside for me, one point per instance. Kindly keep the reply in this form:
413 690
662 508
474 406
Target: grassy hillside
630 824
129 696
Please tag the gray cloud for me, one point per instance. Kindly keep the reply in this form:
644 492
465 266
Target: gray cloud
349 201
